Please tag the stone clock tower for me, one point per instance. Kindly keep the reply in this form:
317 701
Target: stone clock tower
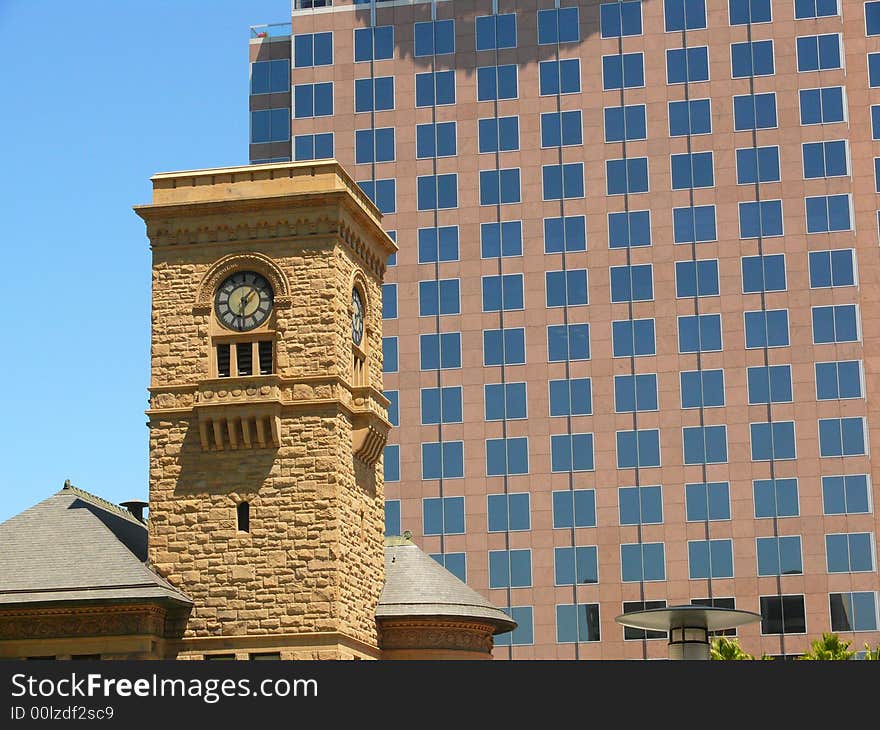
266 417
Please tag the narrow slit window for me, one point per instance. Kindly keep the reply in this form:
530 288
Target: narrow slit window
244 517
265 354
244 358
223 361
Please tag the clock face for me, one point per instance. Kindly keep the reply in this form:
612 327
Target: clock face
357 317
243 301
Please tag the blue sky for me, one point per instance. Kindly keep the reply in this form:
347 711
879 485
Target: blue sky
98 96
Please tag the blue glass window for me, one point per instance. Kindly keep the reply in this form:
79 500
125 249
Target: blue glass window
696 278
623 71
769 384
743 12
616 19
438 244
496 82
633 338
699 333
499 134
640 505
705 444
818 52
642 562
632 283
270 76
439 351
772 440
560 77
374 94
632 228
822 106
435 140
776 497
578 622
505 401
568 342
846 495
437 191
815 9
382 192
763 273
762 218
629 175
563 181
694 224
767 328
441 405
757 164
559 129
510 568
850 552
856 611
825 159
635 393
313 146
872 18
391 461
827 213
702 388
498 187
751 58
374 44
754 111
389 354
693 116
710 559
574 508
842 437
509 512
443 460
684 65
692 170
565 234
443 516
576 565
839 380
434 37
435 87
684 14
639 448
502 292
312 49
507 456
566 288
393 407
571 452
455 563
780 555
836 323
389 301
524 633
496 31
624 123
270 125
504 346
572 397
374 145
501 239
392 517
707 502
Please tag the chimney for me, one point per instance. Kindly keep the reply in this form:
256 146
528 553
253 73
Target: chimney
135 508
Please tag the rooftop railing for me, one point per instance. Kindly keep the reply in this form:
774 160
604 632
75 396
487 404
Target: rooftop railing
271 30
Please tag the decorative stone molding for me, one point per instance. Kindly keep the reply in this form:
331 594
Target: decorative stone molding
57 623
242 262
434 633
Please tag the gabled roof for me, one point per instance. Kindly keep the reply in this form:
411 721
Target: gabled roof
416 585
75 546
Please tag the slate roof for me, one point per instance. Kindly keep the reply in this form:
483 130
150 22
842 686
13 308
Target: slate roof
75 546
417 585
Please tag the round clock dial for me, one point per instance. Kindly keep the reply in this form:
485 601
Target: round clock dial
357 317
243 301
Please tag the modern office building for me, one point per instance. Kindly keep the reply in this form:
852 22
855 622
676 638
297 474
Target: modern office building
630 332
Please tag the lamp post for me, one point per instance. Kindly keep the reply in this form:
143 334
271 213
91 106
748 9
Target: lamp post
688 626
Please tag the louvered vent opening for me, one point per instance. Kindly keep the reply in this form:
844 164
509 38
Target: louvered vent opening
244 358
265 355
223 361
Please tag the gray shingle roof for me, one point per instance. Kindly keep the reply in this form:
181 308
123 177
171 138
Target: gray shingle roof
75 546
417 585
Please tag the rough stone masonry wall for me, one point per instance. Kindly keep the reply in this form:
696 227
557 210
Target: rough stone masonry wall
312 560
